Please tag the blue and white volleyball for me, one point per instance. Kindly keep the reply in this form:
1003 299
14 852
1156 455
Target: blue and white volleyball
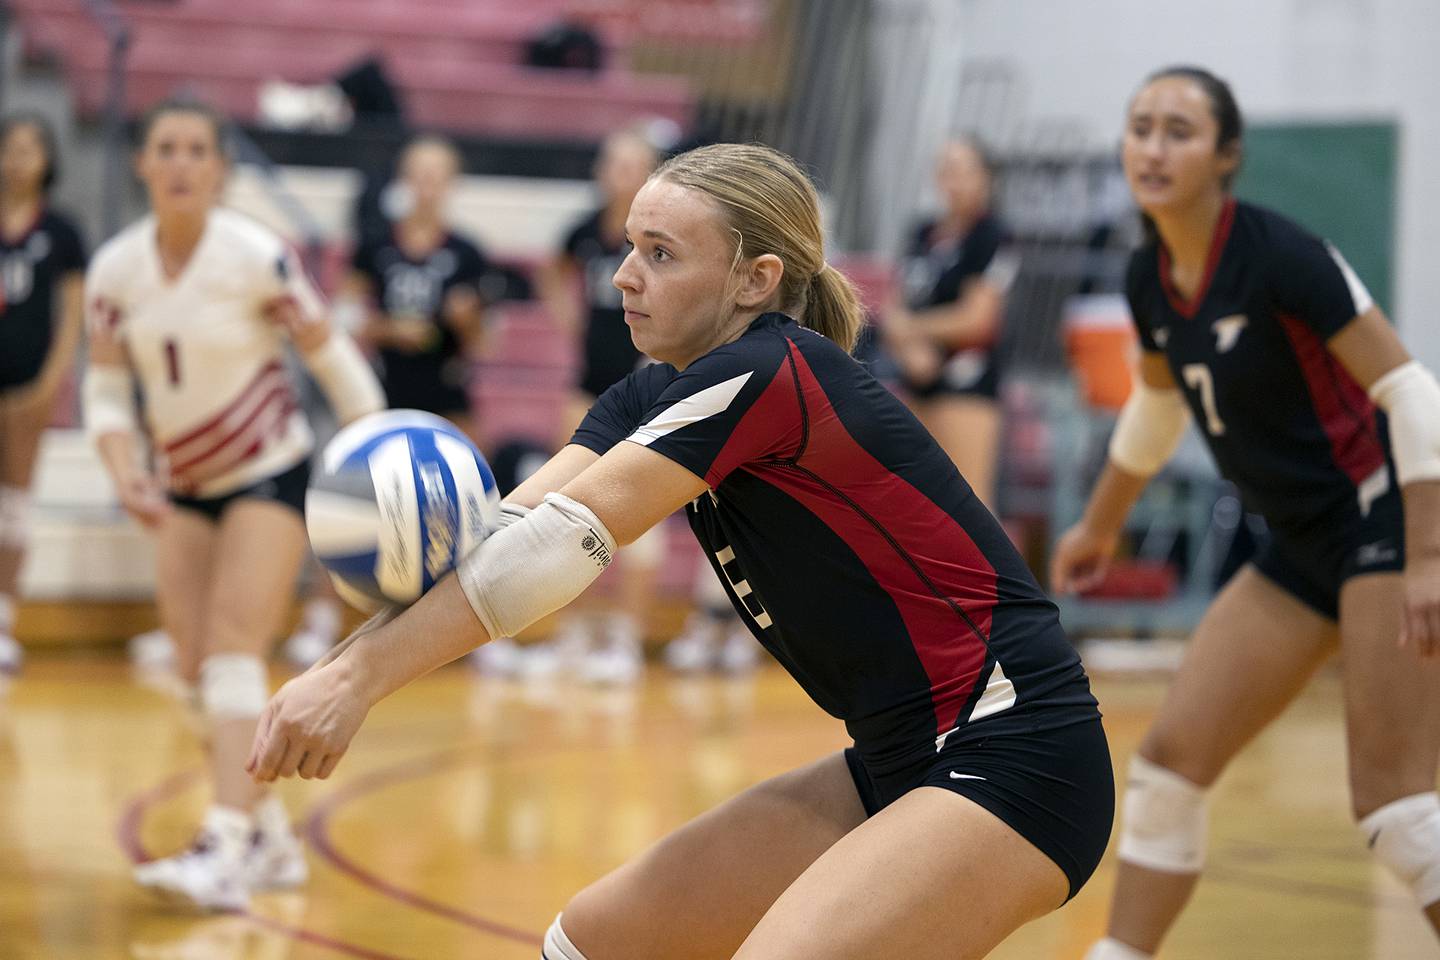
399 496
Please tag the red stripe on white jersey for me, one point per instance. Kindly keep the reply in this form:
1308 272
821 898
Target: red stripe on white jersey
270 423
238 410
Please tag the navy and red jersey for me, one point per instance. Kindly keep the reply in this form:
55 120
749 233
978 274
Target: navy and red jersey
1284 420
609 353
434 376
936 268
31 268
849 543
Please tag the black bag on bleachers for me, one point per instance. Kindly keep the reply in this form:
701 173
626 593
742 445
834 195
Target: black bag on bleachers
566 46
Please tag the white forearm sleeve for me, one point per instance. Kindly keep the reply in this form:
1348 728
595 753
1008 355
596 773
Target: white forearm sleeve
107 396
1411 396
349 384
1150 427
535 565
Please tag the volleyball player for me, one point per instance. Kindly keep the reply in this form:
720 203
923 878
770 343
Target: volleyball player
1313 409
194 304
956 271
978 794
42 271
422 284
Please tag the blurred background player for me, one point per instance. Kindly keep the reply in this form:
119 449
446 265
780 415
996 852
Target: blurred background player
1264 335
604 642
194 304
421 286
943 335
42 272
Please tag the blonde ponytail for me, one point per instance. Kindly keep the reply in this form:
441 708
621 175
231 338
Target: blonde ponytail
833 309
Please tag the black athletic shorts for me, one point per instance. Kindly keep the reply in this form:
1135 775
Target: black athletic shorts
1054 787
286 488
1313 568
966 373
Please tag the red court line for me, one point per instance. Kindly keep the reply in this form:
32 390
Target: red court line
127 831
317 832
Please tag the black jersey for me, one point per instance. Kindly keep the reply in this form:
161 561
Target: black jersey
1285 421
31 268
432 378
936 270
609 353
849 544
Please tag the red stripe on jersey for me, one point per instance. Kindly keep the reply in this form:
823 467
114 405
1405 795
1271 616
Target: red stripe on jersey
939 580
1188 308
252 389
1341 405
243 447
278 398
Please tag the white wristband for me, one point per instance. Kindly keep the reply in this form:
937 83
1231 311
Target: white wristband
1411 397
535 565
1150 427
108 400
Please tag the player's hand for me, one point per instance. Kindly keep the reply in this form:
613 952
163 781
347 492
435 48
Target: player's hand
307 726
143 497
1420 621
462 308
1080 559
308 331
411 333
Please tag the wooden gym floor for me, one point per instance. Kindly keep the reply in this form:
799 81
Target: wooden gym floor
469 809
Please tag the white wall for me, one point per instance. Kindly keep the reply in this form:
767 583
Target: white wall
1286 59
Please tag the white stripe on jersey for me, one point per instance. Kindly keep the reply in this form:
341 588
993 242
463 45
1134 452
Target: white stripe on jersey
1358 294
693 409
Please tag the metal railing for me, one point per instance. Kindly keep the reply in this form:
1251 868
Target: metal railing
117 34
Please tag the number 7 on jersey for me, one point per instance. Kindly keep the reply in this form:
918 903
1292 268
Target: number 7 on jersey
1197 377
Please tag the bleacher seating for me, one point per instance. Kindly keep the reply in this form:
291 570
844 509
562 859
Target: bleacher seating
458 66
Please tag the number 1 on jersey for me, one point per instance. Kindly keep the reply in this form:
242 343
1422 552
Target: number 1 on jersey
1197 377
172 362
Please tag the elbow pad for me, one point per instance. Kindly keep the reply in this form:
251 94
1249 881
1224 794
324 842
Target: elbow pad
108 401
1411 397
342 372
1150 427
535 565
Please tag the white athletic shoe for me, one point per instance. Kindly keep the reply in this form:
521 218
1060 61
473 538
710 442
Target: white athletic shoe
152 650
211 875
740 653
693 651
305 647
276 861
12 655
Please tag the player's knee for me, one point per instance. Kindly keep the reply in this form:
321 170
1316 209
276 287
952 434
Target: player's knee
558 945
233 686
1163 826
1379 775
1405 836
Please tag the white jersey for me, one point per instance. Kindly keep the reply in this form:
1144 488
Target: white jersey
221 409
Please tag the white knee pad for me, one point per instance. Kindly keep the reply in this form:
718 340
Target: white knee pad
557 945
1164 820
1405 836
14 516
1109 949
233 686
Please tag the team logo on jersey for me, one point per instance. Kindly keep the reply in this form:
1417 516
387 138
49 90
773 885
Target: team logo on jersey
1227 331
